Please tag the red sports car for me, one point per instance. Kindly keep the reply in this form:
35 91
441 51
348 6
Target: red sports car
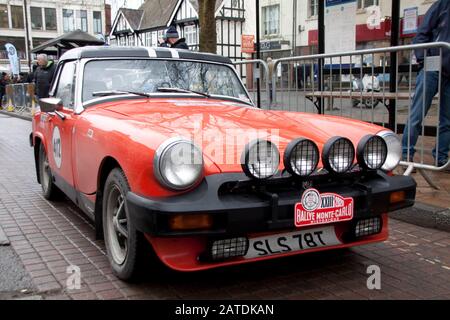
165 146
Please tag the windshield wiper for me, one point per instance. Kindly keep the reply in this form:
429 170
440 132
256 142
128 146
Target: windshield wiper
118 92
162 89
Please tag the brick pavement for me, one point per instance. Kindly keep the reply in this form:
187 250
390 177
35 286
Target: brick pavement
50 236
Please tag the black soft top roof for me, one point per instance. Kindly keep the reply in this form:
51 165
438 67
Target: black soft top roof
140 52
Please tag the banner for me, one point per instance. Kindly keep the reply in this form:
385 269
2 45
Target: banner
13 58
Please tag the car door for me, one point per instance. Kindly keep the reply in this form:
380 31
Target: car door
61 124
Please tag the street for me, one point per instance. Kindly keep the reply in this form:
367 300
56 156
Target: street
48 237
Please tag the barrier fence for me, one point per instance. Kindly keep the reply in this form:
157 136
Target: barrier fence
358 85
255 73
19 98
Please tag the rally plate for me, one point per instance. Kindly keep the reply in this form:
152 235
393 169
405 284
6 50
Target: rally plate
316 208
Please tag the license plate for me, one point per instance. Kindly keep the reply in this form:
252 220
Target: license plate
316 208
292 241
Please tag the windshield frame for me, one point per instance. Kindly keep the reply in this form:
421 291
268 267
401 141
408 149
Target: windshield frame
84 104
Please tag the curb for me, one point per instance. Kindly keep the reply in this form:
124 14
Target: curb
15 115
4 241
425 215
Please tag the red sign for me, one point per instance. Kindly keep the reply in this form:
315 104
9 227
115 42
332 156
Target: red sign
316 208
247 43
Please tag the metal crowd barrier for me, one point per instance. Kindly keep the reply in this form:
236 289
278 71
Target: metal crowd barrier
19 98
255 73
357 85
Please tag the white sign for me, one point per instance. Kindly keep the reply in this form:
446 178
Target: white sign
340 27
57 150
410 20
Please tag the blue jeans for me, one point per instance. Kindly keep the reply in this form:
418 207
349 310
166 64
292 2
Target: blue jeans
419 110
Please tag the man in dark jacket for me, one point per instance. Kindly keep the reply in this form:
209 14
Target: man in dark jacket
435 27
173 39
43 75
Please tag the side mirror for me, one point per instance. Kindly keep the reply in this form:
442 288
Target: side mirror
50 104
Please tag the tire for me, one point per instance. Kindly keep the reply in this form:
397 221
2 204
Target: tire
368 103
126 247
355 103
49 190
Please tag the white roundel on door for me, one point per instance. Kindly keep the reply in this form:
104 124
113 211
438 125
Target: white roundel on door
57 148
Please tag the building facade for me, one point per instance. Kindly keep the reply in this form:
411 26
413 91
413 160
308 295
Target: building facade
289 27
145 25
47 19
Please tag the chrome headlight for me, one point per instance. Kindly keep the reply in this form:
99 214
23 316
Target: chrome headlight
371 152
178 164
301 157
338 154
394 149
260 159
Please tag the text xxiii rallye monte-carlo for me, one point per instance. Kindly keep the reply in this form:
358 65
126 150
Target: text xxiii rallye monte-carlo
164 147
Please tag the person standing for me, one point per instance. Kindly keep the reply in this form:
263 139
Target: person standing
173 39
43 76
435 27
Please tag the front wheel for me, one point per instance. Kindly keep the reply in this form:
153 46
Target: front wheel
124 244
49 189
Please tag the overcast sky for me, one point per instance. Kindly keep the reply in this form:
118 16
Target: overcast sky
116 4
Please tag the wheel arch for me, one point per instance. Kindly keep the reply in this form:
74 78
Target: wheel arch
107 165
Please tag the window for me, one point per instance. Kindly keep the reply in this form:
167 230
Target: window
4 16
36 18
190 33
50 18
271 19
97 22
82 20
66 85
313 8
17 17
367 3
68 20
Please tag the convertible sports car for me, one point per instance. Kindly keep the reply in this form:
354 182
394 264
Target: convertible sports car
164 147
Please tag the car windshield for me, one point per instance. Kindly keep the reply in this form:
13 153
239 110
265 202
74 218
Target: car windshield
150 76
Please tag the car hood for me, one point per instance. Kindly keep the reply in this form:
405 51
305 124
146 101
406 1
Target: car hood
222 129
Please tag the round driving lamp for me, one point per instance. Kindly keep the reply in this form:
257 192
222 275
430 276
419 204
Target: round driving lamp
260 159
301 157
371 152
338 154
178 164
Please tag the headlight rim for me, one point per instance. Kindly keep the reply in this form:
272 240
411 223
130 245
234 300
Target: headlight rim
159 153
383 134
360 151
288 155
326 154
245 158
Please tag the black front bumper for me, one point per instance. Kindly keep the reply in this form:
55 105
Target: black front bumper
240 205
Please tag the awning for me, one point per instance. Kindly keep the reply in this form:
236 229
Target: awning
67 41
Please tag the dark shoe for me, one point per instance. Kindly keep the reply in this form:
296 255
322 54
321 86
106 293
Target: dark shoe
441 164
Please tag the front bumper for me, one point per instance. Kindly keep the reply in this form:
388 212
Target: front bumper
240 205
